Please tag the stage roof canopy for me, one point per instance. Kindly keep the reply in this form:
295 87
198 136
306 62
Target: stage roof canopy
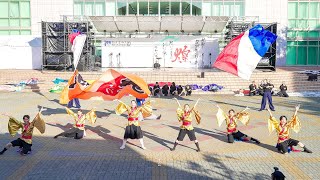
188 24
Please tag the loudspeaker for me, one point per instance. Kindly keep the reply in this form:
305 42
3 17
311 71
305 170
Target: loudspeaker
57 61
156 65
202 75
93 50
53 37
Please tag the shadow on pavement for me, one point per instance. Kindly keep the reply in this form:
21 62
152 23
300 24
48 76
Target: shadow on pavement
50 111
101 159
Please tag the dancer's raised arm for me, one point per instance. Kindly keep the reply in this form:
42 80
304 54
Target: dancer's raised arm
5 114
196 103
270 112
177 101
297 109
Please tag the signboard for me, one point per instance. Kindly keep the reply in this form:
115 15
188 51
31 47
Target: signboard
183 52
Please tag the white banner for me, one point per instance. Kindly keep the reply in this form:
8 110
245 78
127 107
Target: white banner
77 48
184 52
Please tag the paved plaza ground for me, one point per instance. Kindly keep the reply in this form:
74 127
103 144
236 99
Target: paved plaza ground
97 156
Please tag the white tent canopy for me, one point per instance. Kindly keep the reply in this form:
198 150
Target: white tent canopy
188 24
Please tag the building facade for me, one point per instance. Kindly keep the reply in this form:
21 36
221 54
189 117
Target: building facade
298 21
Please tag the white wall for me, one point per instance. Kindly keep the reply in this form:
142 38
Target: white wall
48 10
144 52
272 11
20 52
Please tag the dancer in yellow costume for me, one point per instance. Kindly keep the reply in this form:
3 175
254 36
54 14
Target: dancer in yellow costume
133 129
282 128
185 116
232 122
25 141
78 131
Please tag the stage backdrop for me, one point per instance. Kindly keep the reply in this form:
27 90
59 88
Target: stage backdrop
20 52
168 51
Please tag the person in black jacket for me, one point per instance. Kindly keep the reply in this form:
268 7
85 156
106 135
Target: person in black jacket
283 90
156 89
277 175
188 90
253 89
173 89
179 90
165 90
267 88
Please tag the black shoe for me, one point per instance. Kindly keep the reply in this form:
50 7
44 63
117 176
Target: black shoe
55 137
255 140
273 110
307 150
159 117
260 110
174 146
198 148
4 150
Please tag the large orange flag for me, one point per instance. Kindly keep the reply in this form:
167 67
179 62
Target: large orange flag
111 85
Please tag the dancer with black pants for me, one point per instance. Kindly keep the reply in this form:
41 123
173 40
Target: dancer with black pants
78 131
185 115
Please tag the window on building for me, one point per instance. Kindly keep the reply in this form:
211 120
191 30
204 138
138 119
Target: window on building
133 7
89 8
110 8
217 8
153 7
99 8
4 9
143 8
207 8
238 8
185 8
165 7
121 7
196 7
78 8
303 33
175 8
15 17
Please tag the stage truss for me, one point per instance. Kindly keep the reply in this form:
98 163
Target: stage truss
223 27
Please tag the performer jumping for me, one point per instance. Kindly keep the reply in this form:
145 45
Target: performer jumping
231 121
282 128
78 131
185 115
133 129
25 141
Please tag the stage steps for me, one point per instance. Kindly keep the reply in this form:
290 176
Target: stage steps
295 81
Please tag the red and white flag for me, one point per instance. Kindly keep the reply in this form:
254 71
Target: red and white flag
77 40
